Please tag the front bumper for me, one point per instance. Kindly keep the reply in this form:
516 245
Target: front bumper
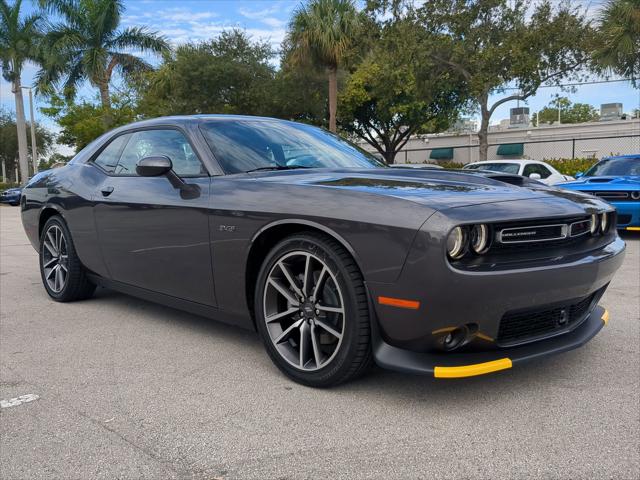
520 305
458 365
10 199
628 214
446 298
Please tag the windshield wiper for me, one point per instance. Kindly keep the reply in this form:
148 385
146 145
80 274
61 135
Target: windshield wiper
277 167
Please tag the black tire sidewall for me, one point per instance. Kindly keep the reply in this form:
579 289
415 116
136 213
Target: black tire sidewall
73 262
342 362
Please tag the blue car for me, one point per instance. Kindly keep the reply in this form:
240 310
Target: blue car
616 180
11 196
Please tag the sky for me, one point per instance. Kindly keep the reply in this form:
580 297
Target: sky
185 21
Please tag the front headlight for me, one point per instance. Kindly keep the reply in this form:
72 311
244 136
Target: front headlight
604 222
480 238
595 224
456 243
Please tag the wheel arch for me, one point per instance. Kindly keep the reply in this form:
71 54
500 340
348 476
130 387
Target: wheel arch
46 213
269 235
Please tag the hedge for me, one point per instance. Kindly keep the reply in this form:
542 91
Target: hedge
451 165
571 166
5 186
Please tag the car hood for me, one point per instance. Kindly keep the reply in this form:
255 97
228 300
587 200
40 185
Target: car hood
437 189
600 183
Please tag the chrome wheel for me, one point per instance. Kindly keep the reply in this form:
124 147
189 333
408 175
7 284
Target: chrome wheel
55 260
304 310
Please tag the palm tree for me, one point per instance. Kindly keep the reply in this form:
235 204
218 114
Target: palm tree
620 31
19 42
323 30
88 45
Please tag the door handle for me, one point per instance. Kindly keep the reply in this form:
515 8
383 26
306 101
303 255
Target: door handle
106 191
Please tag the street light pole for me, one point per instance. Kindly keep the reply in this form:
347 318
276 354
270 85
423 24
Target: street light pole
34 148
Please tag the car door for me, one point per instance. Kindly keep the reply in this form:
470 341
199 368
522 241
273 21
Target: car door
151 234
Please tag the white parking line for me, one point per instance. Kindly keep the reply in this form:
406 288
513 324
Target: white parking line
14 402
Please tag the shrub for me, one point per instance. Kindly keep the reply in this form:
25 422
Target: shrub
571 166
6 185
451 165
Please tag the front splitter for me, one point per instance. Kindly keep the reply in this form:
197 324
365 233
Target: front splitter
459 365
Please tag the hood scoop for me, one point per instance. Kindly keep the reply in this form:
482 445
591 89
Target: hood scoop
599 180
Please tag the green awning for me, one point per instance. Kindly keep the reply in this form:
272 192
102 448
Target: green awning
441 154
511 149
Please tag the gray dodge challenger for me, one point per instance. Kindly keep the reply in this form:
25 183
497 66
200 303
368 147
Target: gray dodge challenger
336 260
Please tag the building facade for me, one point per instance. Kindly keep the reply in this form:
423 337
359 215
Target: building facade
593 140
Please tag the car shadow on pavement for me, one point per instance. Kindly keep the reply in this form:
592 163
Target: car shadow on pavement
377 381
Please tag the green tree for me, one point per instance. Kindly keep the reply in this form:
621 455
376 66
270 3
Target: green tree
89 45
323 31
9 140
56 158
569 113
619 50
82 122
230 74
497 44
19 43
300 90
398 91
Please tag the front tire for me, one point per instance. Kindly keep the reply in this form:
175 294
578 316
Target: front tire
63 276
312 311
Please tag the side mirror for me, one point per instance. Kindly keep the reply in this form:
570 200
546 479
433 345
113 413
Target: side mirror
154 166
161 165
535 176
579 174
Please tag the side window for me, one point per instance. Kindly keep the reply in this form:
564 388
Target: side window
108 158
170 143
535 168
544 171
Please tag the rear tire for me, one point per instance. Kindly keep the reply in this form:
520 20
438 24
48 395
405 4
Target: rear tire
312 311
63 275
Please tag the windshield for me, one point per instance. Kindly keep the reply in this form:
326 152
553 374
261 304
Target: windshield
615 167
242 145
495 167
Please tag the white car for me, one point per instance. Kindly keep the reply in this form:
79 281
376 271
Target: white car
543 172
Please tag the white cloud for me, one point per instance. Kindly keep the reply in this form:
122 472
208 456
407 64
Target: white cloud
168 17
274 22
268 16
260 14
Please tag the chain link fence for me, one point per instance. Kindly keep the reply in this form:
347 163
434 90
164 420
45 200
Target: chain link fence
566 148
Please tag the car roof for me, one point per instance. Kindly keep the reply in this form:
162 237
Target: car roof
515 160
183 119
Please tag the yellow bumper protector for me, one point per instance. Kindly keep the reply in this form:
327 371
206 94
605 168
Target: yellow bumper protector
605 317
472 370
633 229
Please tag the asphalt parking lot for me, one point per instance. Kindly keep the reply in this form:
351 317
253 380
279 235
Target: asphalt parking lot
129 389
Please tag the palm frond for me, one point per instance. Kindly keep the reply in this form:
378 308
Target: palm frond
324 29
129 65
139 38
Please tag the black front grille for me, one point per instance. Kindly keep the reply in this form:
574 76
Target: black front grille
624 219
528 325
542 241
614 195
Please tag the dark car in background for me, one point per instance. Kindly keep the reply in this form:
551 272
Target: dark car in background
616 180
11 196
335 259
